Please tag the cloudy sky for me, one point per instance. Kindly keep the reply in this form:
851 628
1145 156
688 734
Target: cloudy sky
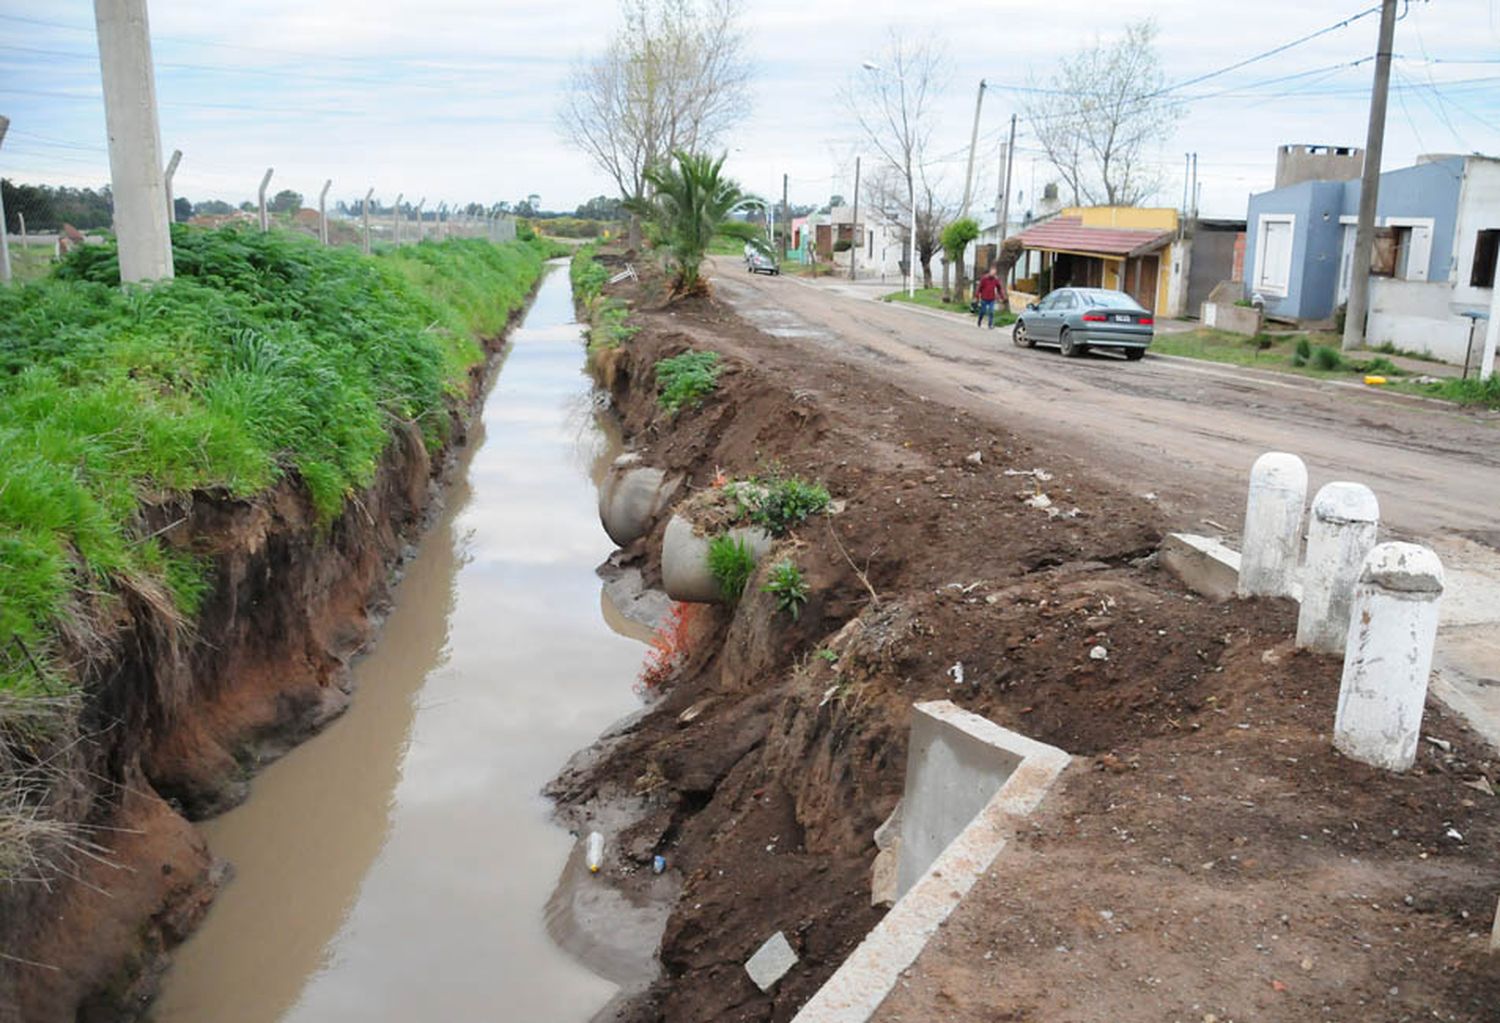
457 99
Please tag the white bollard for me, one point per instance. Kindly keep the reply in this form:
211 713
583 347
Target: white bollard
1393 627
1273 525
1345 519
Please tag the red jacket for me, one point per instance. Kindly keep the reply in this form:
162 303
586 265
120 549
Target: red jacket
990 288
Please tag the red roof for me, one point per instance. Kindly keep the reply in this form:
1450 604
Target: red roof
1067 234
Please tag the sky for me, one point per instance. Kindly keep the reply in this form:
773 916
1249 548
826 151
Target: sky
456 100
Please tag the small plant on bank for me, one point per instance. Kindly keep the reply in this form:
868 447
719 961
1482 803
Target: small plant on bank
686 379
731 563
1303 352
788 586
1327 359
779 504
827 656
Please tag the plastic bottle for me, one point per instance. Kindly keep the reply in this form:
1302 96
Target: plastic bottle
594 857
658 864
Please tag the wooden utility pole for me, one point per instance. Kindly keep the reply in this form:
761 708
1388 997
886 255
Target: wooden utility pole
1369 187
786 223
854 227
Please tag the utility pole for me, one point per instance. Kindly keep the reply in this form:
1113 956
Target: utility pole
265 216
167 179
1194 213
4 230
963 211
323 211
365 216
854 228
786 223
1369 187
1187 163
396 219
1010 162
420 227
135 167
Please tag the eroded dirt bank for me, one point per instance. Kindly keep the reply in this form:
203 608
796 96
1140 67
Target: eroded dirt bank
178 715
779 745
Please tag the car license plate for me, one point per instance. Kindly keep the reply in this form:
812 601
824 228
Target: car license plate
1122 318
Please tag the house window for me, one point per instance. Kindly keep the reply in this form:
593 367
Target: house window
1273 254
1391 252
1486 248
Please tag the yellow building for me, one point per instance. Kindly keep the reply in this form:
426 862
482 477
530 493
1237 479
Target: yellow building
1134 249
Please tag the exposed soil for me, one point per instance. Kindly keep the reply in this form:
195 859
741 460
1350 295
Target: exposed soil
177 716
779 746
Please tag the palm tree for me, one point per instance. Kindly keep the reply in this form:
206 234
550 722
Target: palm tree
691 204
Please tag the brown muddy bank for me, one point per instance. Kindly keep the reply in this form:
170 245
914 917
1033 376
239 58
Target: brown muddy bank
177 717
778 746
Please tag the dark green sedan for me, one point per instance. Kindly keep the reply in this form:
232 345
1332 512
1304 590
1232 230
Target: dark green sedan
1077 319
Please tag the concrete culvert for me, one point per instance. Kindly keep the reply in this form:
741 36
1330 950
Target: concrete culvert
684 559
631 496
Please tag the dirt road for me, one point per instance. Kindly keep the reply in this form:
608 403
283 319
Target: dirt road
1188 432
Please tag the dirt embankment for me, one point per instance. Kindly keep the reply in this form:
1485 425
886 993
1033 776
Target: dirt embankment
177 716
779 746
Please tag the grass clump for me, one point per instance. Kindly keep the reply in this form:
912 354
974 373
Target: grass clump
1302 354
788 586
779 503
269 356
685 380
1327 359
731 563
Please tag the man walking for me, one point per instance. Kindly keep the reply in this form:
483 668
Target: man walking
988 290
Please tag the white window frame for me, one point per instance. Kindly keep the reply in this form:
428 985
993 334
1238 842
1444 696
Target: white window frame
1257 282
1418 244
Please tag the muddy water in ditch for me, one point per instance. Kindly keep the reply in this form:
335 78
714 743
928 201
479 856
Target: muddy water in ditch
398 866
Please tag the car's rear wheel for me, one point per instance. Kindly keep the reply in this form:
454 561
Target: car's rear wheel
1020 337
1068 346
1135 354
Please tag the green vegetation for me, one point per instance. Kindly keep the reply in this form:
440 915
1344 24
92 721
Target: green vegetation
1466 392
1327 359
269 357
778 503
788 587
691 205
587 274
606 316
685 380
932 298
731 563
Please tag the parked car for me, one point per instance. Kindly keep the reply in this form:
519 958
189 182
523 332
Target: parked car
1077 319
758 262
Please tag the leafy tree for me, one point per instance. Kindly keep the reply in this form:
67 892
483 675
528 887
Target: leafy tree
182 209
691 204
600 207
48 208
1101 113
285 201
956 238
212 207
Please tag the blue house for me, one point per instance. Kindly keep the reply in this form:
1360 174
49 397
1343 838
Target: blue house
1434 254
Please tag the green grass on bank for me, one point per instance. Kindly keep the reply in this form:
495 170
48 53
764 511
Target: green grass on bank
932 298
268 356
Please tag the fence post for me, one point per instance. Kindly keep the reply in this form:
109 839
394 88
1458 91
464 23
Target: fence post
265 218
323 211
442 223
396 219
365 215
4 225
1273 525
21 223
167 178
1343 528
1393 625
420 227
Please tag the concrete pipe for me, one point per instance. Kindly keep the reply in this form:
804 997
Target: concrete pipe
684 560
631 497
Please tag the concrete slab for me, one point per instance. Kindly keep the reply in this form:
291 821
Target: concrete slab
853 994
883 875
1203 564
771 961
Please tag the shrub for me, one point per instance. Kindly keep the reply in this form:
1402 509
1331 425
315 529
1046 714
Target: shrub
788 586
1302 353
843 245
731 563
587 274
686 379
778 504
1326 358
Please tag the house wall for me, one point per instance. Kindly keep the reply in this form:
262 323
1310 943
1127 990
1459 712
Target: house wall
1429 190
1478 210
1139 218
1316 240
1416 316
1212 261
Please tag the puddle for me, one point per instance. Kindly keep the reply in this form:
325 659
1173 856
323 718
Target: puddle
400 865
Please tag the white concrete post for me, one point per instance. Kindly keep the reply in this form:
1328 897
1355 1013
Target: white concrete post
21 225
1393 627
1345 520
265 216
323 212
135 167
1273 525
419 218
4 230
396 219
442 225
167 179
365 213
1492 329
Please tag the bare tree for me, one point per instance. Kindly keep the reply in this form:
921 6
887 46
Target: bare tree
1100 113
673 78
895 103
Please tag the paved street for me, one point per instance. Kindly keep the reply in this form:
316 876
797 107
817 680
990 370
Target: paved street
1188 432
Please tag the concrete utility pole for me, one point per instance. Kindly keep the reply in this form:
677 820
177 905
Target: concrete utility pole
135 167
419 217
1369 187
4 238
1010 162
167 179
963 211
1187 163
323 211
365 215
396 219
786 223
1194 214
265 216
854 228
